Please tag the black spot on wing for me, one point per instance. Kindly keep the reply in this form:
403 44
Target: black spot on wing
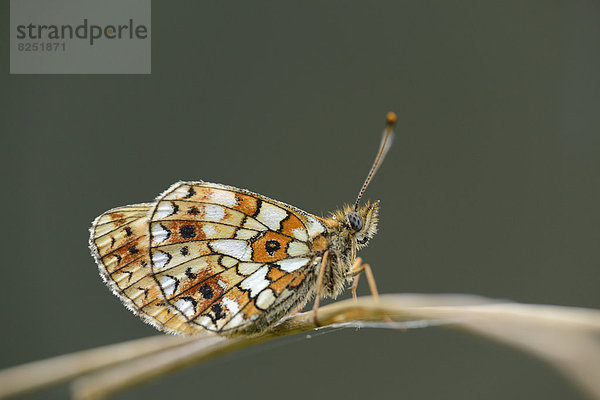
193 210
190 274
206 291
271 246
218 310
187 231
190 193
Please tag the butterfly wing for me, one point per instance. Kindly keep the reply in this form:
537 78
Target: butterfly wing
216 258
119 241
225 258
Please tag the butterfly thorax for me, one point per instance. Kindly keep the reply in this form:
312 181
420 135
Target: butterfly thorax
349 231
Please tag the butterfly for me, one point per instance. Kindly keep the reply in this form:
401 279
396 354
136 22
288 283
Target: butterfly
210 257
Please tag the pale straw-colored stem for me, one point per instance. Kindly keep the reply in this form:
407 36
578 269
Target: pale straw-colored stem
566 337
40 374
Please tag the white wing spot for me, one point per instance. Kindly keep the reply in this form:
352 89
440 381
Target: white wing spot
256 282
271 215
209 230
315 228
213 212
234 248
168 284
181 191
224 197
186 307
296 249
231 305
159 233
292 264
265 299
164 209
222 284
160 258
300 234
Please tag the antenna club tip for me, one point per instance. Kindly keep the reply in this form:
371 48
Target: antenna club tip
391 118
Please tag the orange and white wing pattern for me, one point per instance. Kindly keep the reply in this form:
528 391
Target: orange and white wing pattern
215 258
226 259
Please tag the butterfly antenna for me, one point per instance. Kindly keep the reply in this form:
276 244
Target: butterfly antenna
386 143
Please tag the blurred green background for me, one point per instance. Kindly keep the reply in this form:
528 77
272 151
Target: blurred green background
491 188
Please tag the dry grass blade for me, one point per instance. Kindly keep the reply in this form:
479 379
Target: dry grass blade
564 336
39 374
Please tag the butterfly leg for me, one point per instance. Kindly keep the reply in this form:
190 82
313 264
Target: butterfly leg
319 287
355 272
357 264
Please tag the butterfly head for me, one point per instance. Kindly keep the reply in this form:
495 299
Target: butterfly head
363 222
360 223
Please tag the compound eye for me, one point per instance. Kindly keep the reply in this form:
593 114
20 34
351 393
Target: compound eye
354 220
